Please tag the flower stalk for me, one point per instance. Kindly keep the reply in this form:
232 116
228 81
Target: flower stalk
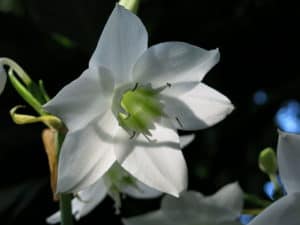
64 199
66 209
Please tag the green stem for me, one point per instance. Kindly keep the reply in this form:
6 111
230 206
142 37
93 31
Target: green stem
253 212
20 72
277 187
26 95
65 199
252 199
66 209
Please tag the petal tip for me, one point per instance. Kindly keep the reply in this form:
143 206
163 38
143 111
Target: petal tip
231 107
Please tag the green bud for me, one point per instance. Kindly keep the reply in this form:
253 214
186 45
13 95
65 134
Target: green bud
267 161
131 5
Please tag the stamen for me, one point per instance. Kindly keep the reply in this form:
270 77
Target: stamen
148 139
80 199
135 87
133 135
160 89
179 122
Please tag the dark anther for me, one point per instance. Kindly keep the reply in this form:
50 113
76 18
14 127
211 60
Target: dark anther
179 122
169 85
135 87
133 135
149 140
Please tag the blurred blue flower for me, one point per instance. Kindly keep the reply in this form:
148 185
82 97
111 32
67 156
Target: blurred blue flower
270 190
287 117
260 97
245 218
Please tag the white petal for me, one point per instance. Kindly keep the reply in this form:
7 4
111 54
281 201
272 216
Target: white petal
174 62
88 199
185 209
54 218
192 208
229 197
83 99
122 42
185 140
158 163
86 154
3 78
141 191
284 211
179 89
199 108
153 218
288 153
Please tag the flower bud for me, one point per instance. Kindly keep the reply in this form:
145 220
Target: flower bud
267 161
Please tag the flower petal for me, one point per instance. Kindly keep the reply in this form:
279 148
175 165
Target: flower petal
288 153
141 191
152 218
158 163
122 42
88 200
173 62
185 140
83 99
185 210
3 78
192 208
199 108
54 218
283 211
86 154
229 197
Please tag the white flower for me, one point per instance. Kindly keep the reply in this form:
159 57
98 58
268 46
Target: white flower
87 199
128 95
3 78
114 182
285 211
192 208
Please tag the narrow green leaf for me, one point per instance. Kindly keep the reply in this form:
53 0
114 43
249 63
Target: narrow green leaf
25 94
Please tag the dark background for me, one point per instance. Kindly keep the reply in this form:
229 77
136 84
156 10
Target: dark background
259 45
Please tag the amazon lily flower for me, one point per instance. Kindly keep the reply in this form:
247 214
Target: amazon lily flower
127 105
222 208
116 181
113 183
286 209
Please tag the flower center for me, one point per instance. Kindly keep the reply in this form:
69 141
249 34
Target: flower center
141 107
